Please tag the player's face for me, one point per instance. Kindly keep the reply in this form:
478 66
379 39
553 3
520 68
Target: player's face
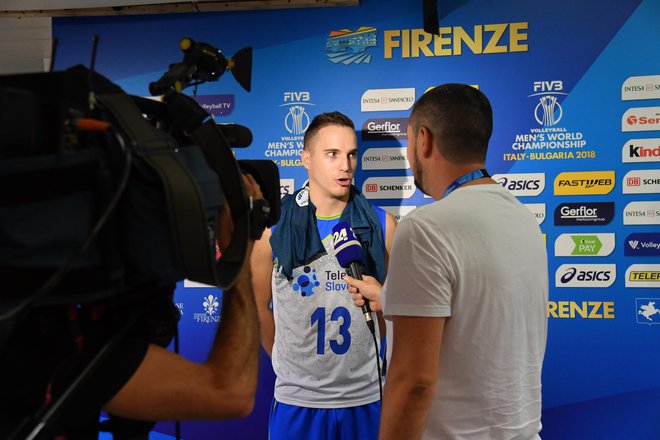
331 158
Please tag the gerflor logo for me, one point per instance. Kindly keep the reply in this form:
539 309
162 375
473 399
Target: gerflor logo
585 275
584 183
584 245
385 129
584 214
351 47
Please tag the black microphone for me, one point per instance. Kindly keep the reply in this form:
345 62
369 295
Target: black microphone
348 251
238 136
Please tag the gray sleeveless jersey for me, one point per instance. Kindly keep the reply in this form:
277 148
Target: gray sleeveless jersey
324 354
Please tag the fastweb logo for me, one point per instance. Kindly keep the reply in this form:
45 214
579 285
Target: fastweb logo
584 245
584 183
585 275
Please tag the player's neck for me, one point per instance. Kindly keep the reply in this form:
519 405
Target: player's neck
326 205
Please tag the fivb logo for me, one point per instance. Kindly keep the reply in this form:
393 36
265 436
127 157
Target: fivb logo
585 275
399 211
522 184
647 312
548 111
642 213
584 214
584 245
287 187
377 100
641 87
389 187
641 150
584 183
641 182
385 159
643 275
385 129
641 119
538 209
642 244
296 120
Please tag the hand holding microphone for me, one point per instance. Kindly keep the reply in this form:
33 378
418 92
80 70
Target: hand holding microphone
366 289
348 251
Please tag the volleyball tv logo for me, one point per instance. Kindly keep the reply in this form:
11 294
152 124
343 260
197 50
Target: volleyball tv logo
642 244
584 183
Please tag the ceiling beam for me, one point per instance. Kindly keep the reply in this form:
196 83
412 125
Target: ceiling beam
178 7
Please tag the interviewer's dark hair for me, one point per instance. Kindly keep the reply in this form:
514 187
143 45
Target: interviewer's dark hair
460 118
320 121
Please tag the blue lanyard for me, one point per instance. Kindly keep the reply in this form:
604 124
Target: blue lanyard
469 177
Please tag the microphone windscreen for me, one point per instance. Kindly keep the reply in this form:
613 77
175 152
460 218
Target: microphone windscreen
347 247
238 136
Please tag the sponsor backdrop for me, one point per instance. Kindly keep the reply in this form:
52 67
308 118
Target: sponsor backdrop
576 138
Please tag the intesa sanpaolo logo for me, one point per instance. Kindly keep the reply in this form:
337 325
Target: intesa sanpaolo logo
378 100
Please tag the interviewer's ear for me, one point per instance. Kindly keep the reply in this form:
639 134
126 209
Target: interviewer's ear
425 140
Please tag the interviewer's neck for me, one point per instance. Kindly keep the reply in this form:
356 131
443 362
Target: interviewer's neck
449 172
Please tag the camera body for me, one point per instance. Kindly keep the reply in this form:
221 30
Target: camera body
68 139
